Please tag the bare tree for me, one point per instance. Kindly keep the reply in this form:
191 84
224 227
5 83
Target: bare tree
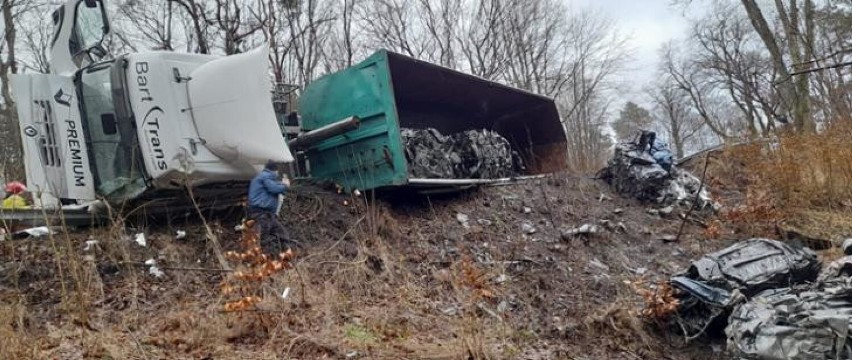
392 24
309 30
11 150
481 48
440 20
153 22
36 39
672 113
235 24
834 41
344 42
798 38
736 63
198 14
689 78
631 118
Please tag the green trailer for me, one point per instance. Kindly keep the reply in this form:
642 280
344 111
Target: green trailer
389 91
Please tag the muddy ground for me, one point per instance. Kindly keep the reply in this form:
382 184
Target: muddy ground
398 277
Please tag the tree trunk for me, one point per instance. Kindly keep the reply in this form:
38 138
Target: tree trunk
794 101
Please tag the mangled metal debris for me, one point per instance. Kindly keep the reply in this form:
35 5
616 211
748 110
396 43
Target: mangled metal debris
803 321
797 323
633 172
472 154
756 264
717 282
772 301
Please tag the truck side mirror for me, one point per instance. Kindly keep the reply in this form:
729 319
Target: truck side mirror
98 51
90 26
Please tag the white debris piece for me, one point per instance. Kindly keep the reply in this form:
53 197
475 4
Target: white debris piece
503 306
180 234
847 246
598 264
585 229
153 269
90 244
501 279
35 232
528 229
286 293
140 239
527 210
450 311
484 222
463 219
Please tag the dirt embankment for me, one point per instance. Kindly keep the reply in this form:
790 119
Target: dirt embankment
487 274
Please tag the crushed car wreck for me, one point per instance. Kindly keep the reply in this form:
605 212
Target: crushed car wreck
717 282
633 171
796 323
805 321
774 301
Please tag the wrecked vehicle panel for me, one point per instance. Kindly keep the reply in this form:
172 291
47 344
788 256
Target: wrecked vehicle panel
756 264
702 292
840 268
719 281
794 323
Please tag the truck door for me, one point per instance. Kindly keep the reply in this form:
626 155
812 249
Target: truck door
79 29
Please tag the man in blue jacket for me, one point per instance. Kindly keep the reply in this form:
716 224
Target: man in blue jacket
263 198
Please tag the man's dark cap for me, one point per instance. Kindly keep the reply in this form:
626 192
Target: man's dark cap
271 165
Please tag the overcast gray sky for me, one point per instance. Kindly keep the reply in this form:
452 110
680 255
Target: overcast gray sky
647 24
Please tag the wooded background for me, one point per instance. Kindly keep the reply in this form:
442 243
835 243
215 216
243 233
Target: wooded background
737 75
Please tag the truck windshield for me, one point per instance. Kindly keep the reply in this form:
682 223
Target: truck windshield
112 139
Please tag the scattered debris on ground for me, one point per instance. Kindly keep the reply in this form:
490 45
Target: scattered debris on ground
558 267
485 272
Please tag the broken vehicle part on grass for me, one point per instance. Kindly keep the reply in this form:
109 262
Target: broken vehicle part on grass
840 268
756 264
717 282
797 323
635 173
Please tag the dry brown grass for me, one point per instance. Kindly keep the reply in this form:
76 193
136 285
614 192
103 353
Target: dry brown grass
800 181
15 331
380 283
804 170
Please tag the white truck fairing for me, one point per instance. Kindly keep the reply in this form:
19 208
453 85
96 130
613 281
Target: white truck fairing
230 99
57 164
204 119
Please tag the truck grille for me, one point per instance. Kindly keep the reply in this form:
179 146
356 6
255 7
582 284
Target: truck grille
47 136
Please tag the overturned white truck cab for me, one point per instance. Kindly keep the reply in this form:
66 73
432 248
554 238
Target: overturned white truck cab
143 126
